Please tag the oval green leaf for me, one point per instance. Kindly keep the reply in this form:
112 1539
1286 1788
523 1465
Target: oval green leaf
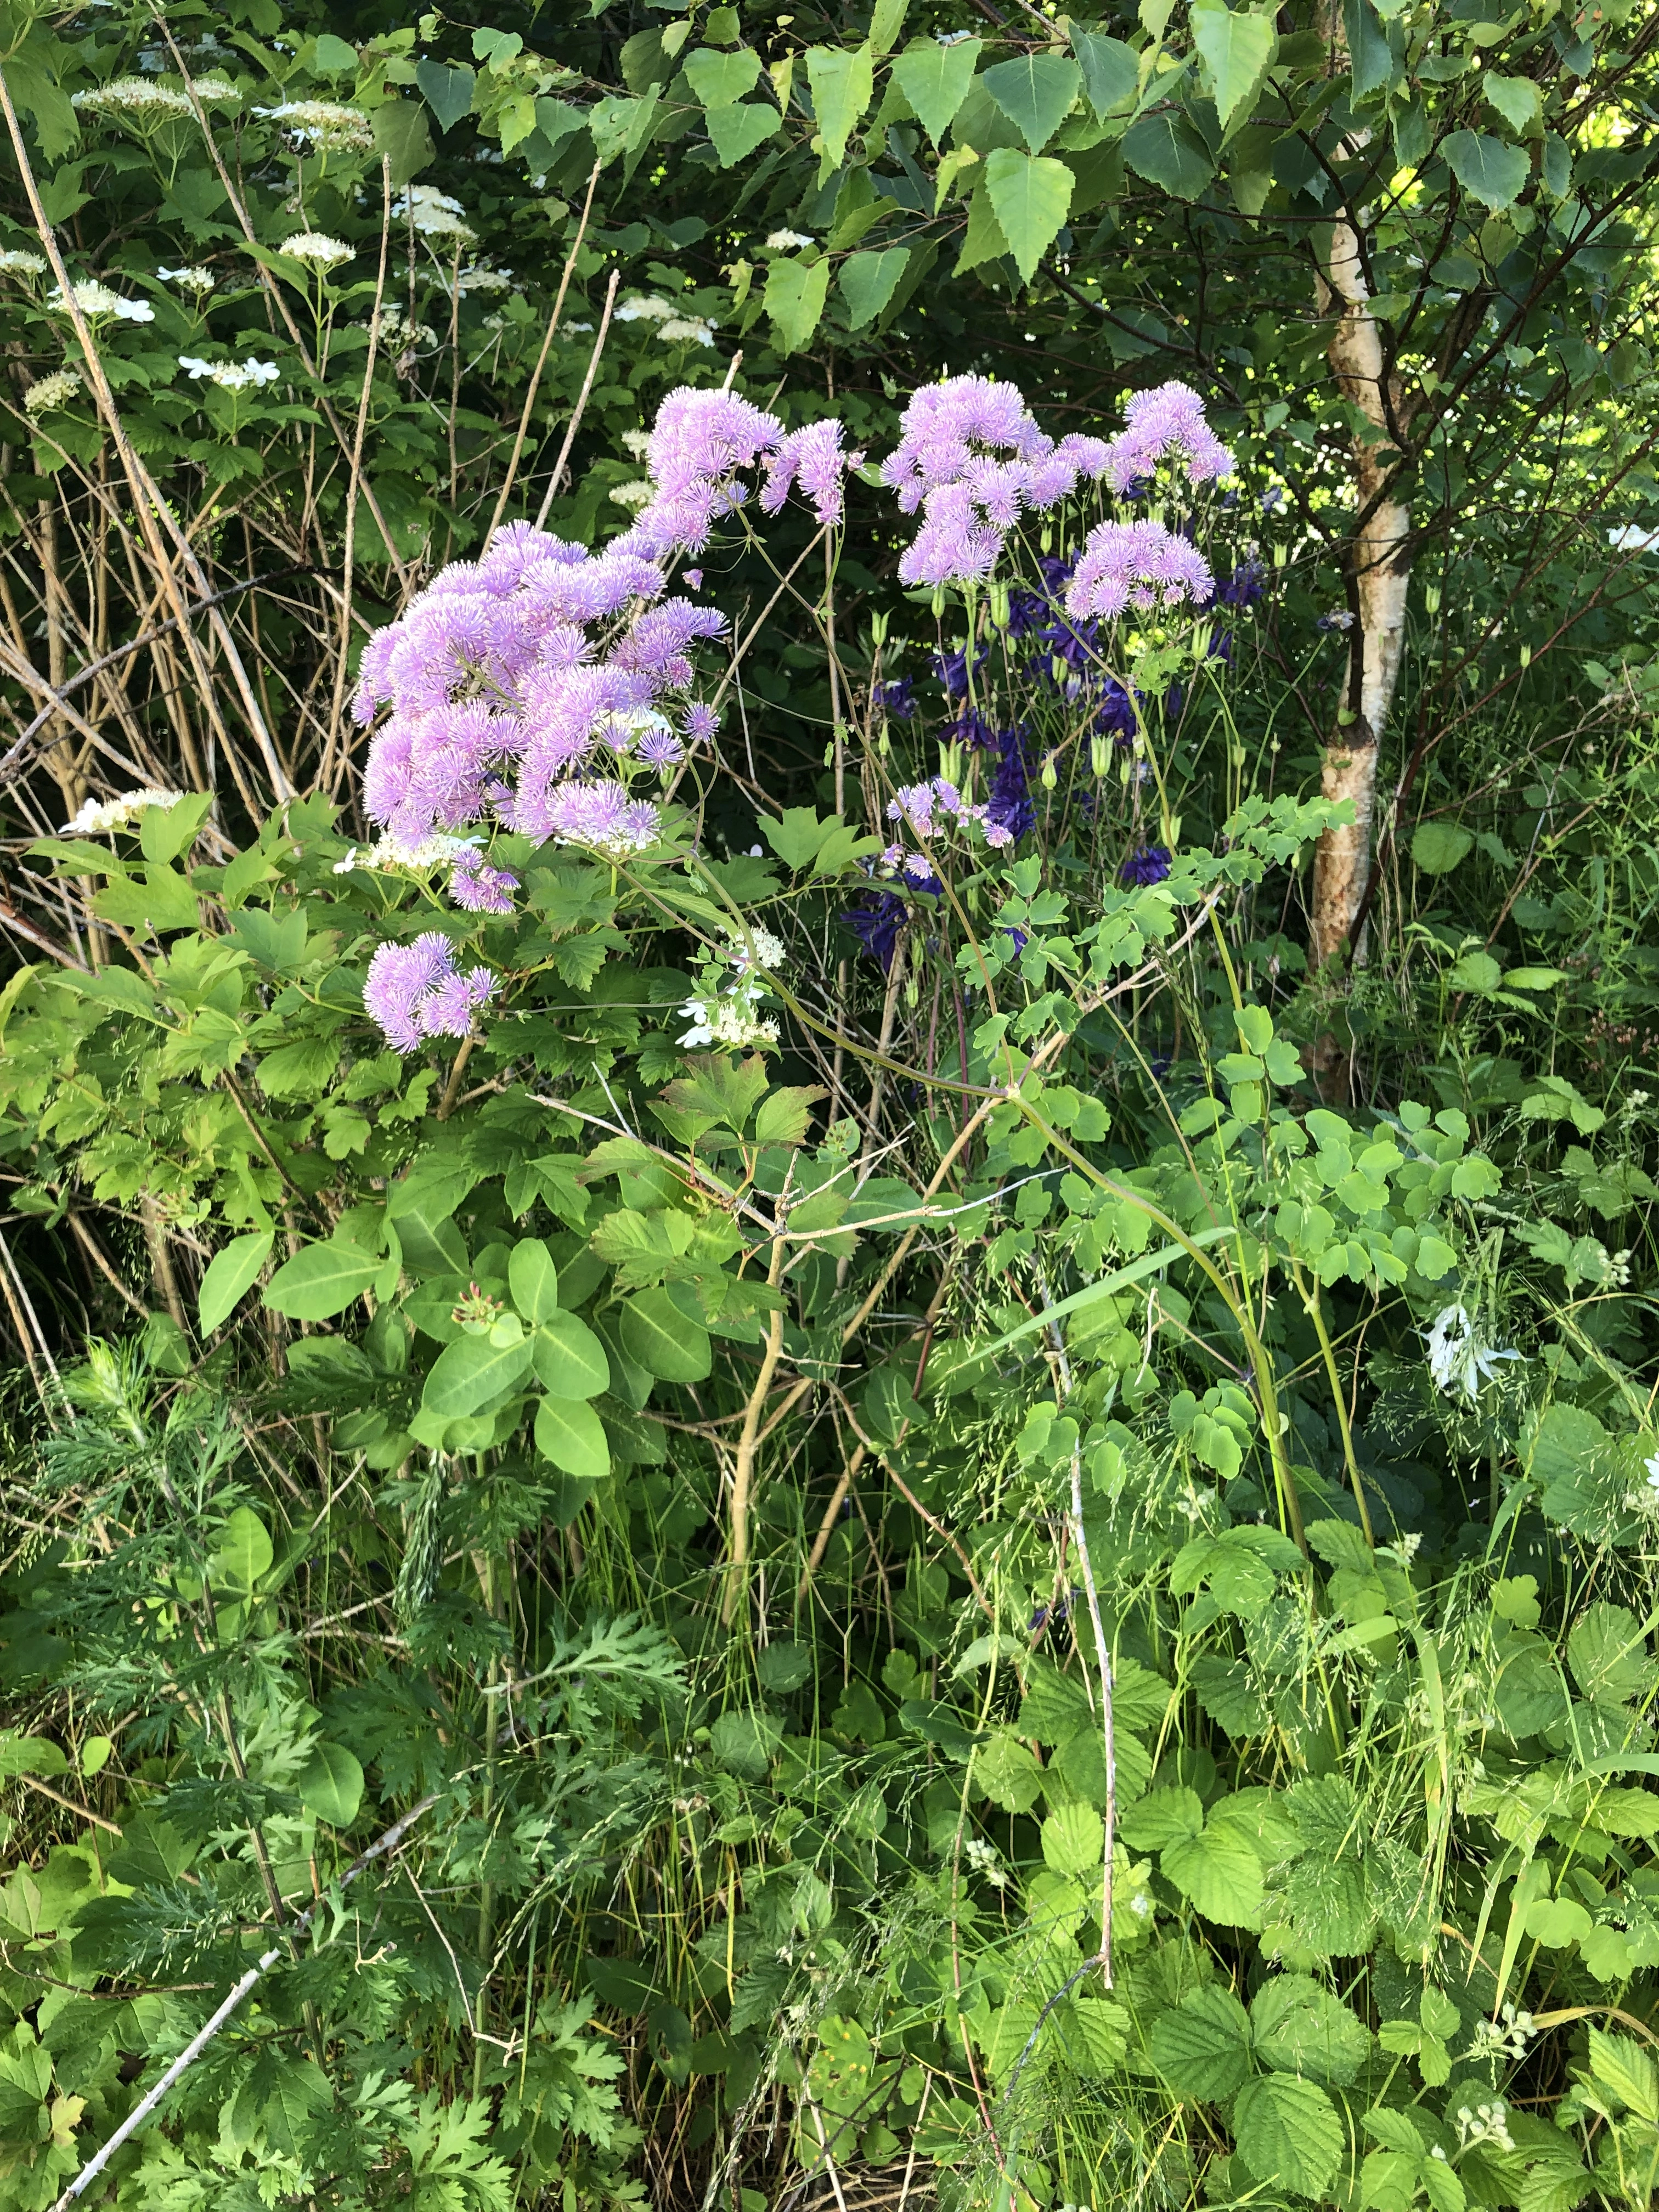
657 1337
331 1784
320 1282
534 1280
1437 848
467 1374
568 1359
573 1437
230 1274
243 1553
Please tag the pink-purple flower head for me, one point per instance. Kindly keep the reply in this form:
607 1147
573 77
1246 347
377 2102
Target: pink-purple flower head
700 442
1136 564
601 816
1168 419
477 888
415 992
701 724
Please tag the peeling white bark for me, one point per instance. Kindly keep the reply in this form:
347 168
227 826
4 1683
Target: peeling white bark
1382 575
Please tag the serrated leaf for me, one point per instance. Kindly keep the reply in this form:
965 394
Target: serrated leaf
1202 2045
1111 70
1300 2028
448 91
1237 50
719 79
842 81
1437 848
1488 169
320 1281
1072 1839
230 1274
1030 195
1219 1872
1036 92
1621 2065
1167 152
735 132
794 298
935 79
868 281
1288 2133
1516 98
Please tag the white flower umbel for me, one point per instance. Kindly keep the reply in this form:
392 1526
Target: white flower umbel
231 375
100 816
644 307
139 98
395 324
433 213
436 852
216 87
767 952
327 125
52 391
317 249
481 278
1458 1359
638 443
639 493
95 299
14 262
189 278
687 330
780 241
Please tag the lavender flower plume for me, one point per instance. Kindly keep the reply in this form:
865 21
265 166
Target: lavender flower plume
700 443
415 992
1169 418
700 723
1139 564
475 888
603 816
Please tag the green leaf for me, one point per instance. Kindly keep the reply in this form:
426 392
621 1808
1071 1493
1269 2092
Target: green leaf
568 1359
1300 2028
572 1435
795 295
243 1552
1030 195
320 1281
719 79
786 1115
1288 2133
446 92
401 136
1620 2064
331 1784
984 241
1489 170
29 1755
935 79
533 1281
1167 152
1036 92
868 282
164 832
886 23
1221 1874
1437 848
657 1336
1369 60
1171 1815
1072 1839
229 1274
1111 70
468 1374
1237 50
842 81
1475 971
1516 98
1608 1656
1202 2046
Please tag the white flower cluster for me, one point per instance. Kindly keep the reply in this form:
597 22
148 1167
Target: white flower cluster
395 324
638 443
231 375
318 249
328 124
644 307
687 330
95 299
672 326
635 495
216 87
52 391
1506 2037
436 852
14 262
137 96
728 1019
100 816
768 951
480 277
983 1859
1486 2123
1458 1358
780 241
193 279
433 213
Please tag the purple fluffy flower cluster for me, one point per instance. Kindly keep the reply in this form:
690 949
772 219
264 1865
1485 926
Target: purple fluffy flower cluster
506 676
1169 417
1139 564
971 457
477 888
415 992
700 442
929 807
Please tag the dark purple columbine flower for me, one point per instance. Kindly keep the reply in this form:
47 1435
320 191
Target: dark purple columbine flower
1021 940
876 923
950 669
1008 802
1150 865
1221 647
897 697
970 728
1246 585
1117 715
